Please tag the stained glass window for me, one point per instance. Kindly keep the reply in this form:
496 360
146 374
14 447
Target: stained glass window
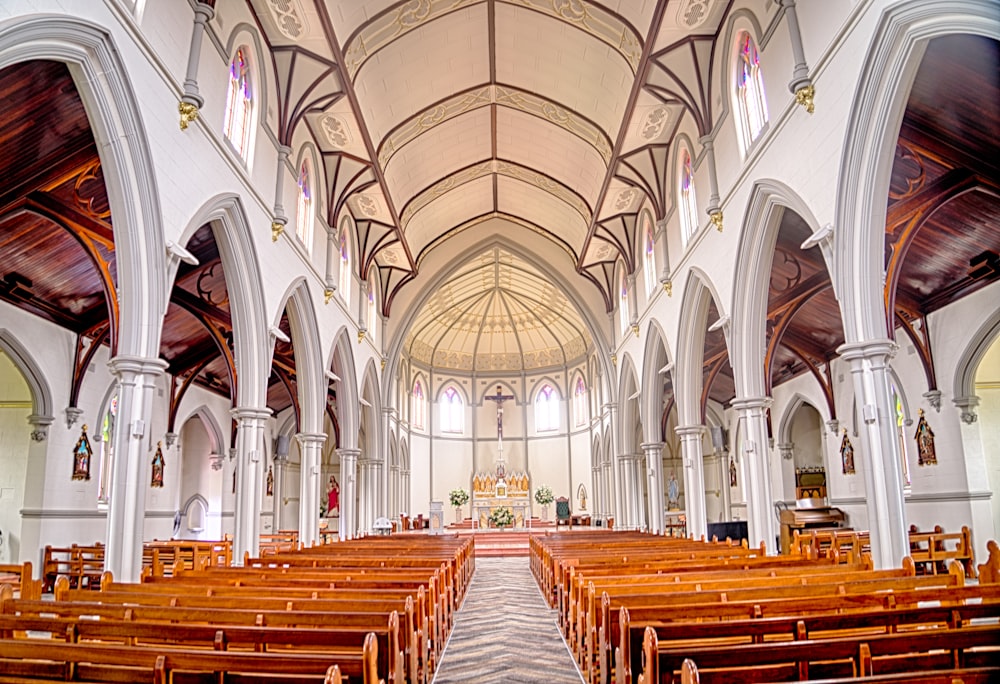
547 409
452 411
648 258
372 308
419 406
750 91
345 265
304 215
239 104
580 401
901 436
107 452
623 304
689 203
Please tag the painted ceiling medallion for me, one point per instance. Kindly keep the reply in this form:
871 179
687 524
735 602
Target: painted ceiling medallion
654 122
694 13
288 17
625 199
336 130
368 205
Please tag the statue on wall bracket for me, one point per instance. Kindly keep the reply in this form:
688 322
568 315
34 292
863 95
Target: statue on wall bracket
157 479
926 454
82 455
846 454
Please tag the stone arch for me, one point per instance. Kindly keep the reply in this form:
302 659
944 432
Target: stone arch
308 361
964 385
233 236
215 435
768 201
879 102
688 378
341 364
113 110
655 359
42 412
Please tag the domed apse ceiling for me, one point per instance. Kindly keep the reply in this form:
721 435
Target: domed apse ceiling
497 313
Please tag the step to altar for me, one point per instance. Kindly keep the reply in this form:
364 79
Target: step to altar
497 543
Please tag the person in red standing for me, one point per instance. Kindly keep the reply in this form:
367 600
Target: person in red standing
333 499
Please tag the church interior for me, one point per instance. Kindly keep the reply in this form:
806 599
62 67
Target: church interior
396 276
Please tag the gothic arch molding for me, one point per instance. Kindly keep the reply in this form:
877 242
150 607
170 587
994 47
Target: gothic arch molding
41 396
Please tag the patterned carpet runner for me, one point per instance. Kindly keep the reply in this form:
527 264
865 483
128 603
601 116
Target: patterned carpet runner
504 632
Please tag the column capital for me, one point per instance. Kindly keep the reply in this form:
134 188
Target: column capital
241 413
630 457
867 349
689 430
40 426
967 407
348 452
136 365
650 446
749 403
204 11
307 438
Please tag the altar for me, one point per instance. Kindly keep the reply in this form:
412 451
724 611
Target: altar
500 490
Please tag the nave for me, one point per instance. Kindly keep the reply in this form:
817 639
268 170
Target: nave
504 632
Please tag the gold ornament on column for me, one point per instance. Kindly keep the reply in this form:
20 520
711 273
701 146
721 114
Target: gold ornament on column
277 228
189 113
716 218
804 96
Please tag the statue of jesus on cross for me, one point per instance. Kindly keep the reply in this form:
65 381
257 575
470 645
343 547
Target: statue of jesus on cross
500 398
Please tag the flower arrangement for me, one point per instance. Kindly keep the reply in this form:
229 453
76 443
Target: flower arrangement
544 496
458 497
501 517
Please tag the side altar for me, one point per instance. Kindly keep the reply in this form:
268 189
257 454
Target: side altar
500 490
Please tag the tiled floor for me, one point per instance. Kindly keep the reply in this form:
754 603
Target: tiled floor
505 632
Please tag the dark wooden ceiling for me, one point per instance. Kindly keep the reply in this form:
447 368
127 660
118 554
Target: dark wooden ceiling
57 251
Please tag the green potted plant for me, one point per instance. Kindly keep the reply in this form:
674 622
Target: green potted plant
501 517
543 497
458 498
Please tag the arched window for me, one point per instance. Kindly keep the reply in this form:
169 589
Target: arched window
546 409
419 406
580 402
345 265
623 304
372 305
304 212
648 257
749 91
239 104
107 452
452 411
688 201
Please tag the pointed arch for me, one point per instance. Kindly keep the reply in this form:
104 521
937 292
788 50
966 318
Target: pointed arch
341 364
102 81
762 221
877 109
688 377
218 442
784 433
252 348
964 386
655 358
298 304
42 412
628 401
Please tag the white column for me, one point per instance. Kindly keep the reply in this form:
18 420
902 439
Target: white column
760 520
405 485
250 424
694 478
278 500
727 492
310 447
880 456
654 479
127 508
348 492
332 263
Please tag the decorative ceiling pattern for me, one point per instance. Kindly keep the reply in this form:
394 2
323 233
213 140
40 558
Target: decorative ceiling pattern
498 313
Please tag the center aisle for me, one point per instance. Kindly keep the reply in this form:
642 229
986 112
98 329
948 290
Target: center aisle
505 632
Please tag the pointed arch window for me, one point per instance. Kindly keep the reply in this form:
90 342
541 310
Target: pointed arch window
546 409
304 211
239 104
452 411
749 91
107 452
623 317
372 304
345 265
648 255
419 406
900 423
688 201
580 402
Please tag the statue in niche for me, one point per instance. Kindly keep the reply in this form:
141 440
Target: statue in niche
82 454
581 495
926 454
157 479
673 493
270 481
846 455
732 472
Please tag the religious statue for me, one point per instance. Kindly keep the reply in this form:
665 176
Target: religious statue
673 493
732 472
926 455
157 479
333 499
269 491
846 455
581 494
82 453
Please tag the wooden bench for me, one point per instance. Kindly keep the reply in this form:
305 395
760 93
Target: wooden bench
19 577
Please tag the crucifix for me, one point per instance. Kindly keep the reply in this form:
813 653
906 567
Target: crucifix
500 398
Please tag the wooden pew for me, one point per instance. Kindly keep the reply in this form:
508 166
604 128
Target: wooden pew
971 675
19 577
850 656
